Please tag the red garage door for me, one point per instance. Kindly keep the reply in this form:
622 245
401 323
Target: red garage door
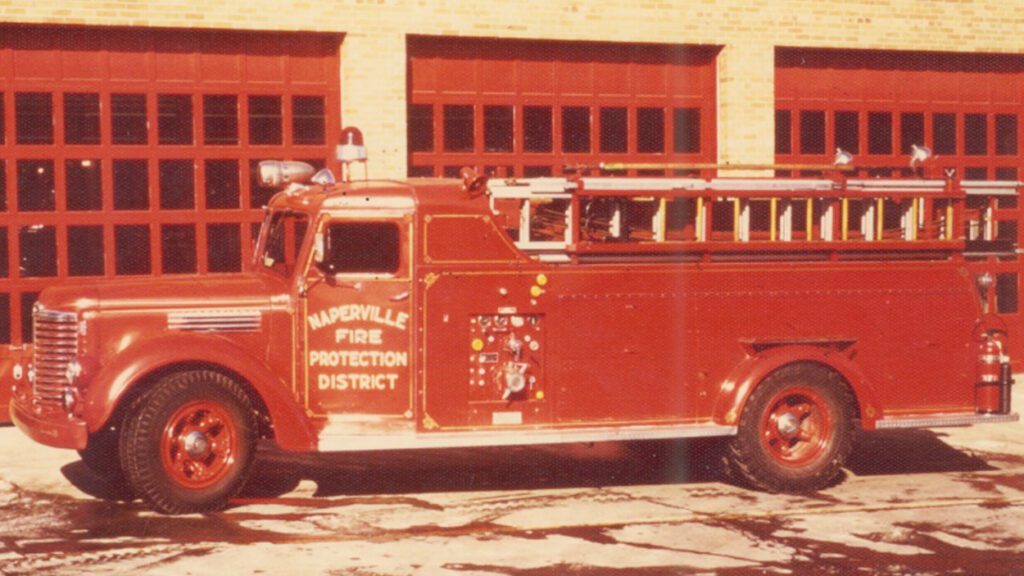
966 108
128 153
528 108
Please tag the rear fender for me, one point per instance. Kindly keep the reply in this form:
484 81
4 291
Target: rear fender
736 389
292 429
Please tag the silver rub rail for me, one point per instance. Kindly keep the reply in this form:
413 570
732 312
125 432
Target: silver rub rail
942 420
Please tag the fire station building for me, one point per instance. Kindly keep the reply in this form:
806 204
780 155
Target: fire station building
130 130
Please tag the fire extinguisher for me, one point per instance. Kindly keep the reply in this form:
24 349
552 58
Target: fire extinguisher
995 377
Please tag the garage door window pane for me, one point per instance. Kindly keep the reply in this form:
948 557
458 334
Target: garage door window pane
537 129
975 135
174 121
33 113
220 119
1006 293
128 124
1006 134
223 248
458 128
812 132
613 130
222 190
84 184
38 251
650 130
5 318
85 250
177 185
178 248
131 185
879 133
783 132
498 128
576 129
131 250
944 129
82 118
35 186
847 132
3 185
28 300
265 120
4 268
421 128
308 120
911 131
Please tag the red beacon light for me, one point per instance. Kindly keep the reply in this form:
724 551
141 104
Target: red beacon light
351 151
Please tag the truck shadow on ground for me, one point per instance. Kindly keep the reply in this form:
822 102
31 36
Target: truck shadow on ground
546 467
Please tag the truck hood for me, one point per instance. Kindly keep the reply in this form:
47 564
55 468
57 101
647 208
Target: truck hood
248 290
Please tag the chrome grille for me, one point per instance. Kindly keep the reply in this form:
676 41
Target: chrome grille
56 345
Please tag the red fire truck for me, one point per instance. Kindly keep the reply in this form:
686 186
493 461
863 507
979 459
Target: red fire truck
780 313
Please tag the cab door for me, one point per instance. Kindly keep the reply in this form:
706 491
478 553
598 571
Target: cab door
356 333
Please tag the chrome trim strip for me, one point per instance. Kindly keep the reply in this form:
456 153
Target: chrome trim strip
940 420
340 437
215 320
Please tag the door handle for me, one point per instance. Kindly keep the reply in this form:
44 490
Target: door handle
400 297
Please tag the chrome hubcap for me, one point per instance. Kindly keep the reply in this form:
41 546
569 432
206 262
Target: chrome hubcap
788 424
197 444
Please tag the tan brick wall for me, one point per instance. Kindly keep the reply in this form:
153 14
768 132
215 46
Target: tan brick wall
374 60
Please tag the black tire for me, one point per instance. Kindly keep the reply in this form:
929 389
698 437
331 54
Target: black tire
102 457
188 443
795 432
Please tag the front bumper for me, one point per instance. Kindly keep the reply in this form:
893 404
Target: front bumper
50 429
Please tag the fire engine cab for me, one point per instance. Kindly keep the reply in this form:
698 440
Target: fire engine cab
782 313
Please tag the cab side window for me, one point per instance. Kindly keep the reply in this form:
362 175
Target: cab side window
362 247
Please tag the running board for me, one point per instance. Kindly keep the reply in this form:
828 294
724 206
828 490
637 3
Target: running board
940 420
338 437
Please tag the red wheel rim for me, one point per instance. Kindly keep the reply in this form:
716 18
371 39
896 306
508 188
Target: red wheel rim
199 444
796 429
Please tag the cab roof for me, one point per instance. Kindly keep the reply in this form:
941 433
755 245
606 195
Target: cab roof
424 195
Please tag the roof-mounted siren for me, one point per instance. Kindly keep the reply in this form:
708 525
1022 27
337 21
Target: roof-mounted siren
843 158
919 154
351 151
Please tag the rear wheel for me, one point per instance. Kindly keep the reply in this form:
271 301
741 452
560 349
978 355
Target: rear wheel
189 442
795 432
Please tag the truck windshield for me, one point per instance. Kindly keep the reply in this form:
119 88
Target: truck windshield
282 237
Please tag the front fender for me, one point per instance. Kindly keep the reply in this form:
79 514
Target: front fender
749 373
292 429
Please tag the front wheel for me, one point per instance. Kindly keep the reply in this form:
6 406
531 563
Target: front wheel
795 432
188 443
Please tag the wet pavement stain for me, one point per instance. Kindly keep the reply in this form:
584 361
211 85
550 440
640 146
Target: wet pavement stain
820 557
566 569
